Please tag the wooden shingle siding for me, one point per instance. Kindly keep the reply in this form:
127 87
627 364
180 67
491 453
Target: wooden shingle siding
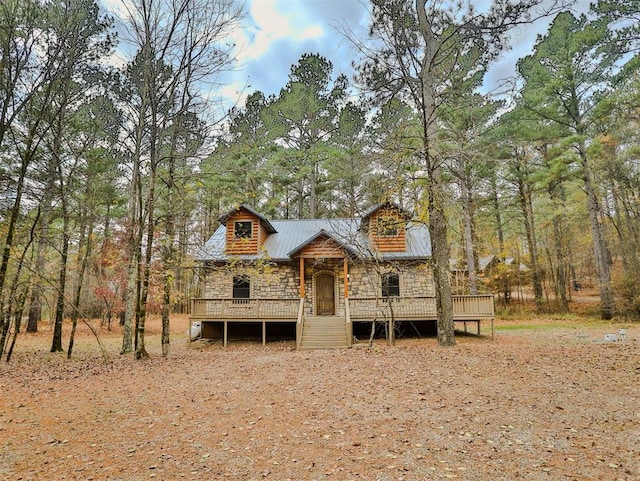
262 235
388 243
240 246
322 248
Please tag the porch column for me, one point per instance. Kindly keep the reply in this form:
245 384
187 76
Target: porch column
302 293
345 268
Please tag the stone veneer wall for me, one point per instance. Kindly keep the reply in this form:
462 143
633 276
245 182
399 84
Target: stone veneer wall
281 281
274 282
415 280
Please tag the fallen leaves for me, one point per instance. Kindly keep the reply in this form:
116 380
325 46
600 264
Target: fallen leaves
529 405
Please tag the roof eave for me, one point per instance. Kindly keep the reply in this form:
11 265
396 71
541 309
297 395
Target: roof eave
265 222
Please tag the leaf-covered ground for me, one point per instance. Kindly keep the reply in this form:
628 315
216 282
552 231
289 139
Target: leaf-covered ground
544 401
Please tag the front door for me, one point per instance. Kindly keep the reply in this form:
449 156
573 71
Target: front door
325 295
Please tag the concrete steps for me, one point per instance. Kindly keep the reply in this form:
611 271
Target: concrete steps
324 332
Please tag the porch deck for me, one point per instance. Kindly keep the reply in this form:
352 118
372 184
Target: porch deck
465 309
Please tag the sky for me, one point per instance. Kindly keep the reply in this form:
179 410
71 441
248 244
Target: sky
275 33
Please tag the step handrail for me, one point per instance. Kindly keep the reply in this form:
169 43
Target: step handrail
347 319
299 323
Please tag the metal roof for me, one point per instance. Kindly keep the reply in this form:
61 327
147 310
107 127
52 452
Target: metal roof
292 235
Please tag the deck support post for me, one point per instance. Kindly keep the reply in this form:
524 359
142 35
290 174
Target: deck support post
224 334
264 333
493 331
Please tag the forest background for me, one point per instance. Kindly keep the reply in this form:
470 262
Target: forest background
112 176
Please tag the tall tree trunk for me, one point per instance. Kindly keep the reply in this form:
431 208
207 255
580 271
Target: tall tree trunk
467 215
135 219
600 249
56 345
436 192
35 303
300 191
141 351
495 199
14 293
57 156
169 274
131 301
313 196
83 261
11 228
526 206
561 263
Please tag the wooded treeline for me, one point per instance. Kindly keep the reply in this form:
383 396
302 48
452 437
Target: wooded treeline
114 165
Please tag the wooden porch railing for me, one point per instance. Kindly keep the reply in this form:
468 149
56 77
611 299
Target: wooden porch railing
464 307
474 307
363 308
245 309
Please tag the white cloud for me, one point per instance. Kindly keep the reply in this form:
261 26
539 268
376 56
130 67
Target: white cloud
273 20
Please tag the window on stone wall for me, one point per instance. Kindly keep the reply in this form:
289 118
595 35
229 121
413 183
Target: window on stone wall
243 229
390 285
241 289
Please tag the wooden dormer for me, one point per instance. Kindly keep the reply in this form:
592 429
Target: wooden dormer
386 225
246 231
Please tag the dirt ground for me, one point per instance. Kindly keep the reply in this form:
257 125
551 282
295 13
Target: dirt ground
546 400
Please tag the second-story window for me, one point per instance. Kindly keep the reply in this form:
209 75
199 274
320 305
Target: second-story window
243 229
387 226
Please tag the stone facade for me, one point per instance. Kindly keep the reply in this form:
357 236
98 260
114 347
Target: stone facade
281 281
269 282
416 280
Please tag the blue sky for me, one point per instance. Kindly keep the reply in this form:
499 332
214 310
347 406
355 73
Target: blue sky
275 33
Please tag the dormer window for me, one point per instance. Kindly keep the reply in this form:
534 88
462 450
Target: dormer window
243 229
387 226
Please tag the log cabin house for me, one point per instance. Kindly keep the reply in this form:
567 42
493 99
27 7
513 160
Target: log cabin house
320 281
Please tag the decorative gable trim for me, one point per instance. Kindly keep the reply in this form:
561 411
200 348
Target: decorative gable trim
323 245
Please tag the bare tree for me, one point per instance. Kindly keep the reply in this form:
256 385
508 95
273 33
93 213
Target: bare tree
181 47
